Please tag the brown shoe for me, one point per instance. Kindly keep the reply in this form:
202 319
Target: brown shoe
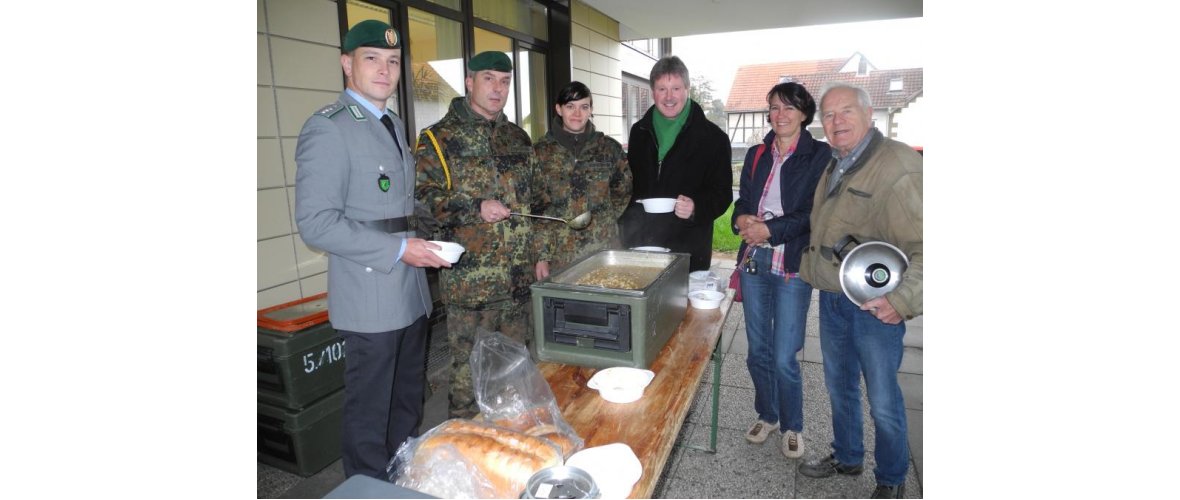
760 431
792 444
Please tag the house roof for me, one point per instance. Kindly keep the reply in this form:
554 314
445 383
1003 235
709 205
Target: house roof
752 82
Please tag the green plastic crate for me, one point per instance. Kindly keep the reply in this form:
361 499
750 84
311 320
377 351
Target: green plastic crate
301 441
297 368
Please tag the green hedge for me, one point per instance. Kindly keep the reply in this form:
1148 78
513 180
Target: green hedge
723 238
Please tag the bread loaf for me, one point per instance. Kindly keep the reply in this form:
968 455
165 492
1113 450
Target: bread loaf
504 457
512 439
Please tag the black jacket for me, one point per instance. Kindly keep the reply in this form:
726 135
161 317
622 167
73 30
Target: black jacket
697 166
797 180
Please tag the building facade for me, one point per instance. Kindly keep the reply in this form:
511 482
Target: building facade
893 91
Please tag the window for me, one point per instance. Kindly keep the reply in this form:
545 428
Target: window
454 4
525 16
636 99
437 65
534 101
649 46
895 84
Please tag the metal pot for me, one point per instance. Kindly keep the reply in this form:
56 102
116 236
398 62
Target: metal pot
870 270
561 481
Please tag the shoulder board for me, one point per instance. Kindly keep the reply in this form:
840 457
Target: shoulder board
356 113
331 109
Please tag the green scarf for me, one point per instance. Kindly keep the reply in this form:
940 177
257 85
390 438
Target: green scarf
668 129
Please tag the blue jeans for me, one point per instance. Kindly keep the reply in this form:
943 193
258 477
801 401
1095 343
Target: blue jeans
776 322
855 342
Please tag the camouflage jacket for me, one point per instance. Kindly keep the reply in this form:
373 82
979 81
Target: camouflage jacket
586 171
485 160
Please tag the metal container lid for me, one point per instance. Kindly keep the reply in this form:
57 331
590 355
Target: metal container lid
871 270
561 481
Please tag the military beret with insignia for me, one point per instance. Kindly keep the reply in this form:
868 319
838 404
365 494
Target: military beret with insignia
371 33
491 59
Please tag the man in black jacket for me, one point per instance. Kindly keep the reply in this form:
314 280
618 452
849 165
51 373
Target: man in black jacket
675 152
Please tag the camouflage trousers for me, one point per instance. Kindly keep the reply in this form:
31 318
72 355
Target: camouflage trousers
462 325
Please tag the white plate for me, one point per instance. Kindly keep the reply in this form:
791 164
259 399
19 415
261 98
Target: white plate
652 249
614 467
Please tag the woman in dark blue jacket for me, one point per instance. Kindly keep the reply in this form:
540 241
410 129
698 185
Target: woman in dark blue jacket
772 215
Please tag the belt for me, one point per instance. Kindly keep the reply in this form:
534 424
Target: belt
394 225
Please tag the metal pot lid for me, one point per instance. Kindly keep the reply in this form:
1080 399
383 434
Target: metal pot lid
871 270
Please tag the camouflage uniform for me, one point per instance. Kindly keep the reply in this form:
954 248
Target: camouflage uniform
489 286
586 171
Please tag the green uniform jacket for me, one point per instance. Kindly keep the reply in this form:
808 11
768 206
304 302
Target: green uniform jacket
485 159
593 176
878 199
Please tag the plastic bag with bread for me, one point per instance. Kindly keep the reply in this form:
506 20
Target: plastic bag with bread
513 394
466 459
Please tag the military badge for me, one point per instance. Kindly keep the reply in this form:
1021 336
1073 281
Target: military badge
383 183
391 37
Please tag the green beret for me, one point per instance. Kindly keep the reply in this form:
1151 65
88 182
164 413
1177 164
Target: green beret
491 59
371 33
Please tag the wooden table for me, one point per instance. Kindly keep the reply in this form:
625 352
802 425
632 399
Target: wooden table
649 426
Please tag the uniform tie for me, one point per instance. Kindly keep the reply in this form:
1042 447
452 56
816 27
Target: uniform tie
388 122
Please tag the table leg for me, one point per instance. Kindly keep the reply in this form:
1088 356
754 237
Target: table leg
716 401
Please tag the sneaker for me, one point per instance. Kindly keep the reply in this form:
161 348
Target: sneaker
760 431
829 467
792 444
884 491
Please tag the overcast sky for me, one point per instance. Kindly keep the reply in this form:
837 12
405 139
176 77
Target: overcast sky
887 44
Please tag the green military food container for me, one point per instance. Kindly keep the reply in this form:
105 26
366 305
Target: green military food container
611 308
301 441
300 355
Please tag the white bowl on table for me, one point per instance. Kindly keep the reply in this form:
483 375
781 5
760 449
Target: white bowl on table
621 384
450 251
652 249
658 205
705 299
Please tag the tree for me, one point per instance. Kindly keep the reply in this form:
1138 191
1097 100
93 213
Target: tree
701 91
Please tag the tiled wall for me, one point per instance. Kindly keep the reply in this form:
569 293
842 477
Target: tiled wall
595 61
298 73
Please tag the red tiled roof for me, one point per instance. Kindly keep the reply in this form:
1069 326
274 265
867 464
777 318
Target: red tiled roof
752 82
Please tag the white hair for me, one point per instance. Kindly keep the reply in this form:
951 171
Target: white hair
862 95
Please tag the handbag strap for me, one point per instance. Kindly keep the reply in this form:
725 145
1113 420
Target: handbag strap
757 156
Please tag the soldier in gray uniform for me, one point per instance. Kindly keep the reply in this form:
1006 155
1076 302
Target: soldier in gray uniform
353 197
584 170
474 166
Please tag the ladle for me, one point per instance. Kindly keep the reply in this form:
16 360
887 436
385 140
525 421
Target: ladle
582 221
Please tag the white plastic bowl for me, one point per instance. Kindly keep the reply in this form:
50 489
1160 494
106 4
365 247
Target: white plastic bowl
621 384
702 280
450 251
705 299
658 205
652 249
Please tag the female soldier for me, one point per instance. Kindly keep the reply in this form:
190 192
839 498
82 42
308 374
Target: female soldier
583 170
